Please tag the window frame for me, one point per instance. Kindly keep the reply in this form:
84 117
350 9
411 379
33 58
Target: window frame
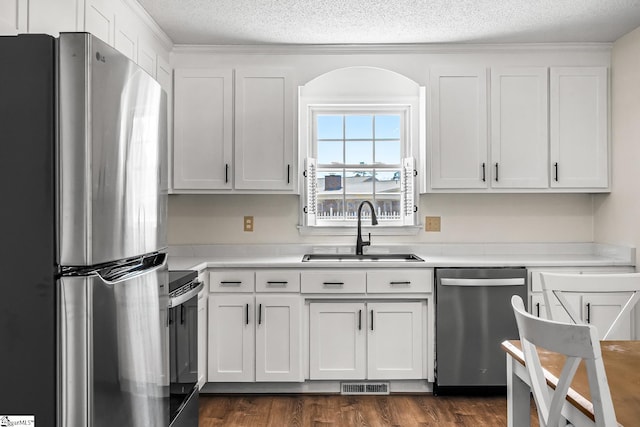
408 111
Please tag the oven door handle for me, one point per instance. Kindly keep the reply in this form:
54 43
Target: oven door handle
182 298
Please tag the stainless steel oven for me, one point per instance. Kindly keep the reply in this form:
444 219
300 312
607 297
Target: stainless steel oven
183 347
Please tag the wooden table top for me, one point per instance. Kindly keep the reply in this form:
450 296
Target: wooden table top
622 365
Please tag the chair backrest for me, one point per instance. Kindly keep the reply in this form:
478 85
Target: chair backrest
577 342
555 287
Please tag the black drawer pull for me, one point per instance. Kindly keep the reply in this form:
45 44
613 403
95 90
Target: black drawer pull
399 283
333 283
277 283
230 283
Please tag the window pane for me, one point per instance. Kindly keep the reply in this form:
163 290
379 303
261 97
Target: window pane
388 207
359 182
330 195
358 127
388 195
329 127
388 127
359 152
352 208
330 152
388 152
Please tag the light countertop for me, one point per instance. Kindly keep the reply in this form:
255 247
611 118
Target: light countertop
198 257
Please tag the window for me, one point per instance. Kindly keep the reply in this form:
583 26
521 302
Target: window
359 154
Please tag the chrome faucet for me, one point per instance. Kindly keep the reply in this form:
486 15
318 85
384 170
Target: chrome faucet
374 221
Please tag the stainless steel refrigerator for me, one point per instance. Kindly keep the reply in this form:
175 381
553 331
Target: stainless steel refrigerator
84 281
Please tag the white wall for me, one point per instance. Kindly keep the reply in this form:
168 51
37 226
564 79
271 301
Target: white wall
202 219
617 215
205 219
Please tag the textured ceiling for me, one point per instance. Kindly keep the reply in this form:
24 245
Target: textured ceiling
393 21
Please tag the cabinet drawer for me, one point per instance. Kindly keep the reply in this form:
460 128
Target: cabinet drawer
231 281
536 280
278 281
333 282
399 281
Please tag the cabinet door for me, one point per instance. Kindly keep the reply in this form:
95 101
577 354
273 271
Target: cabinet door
601 310
231 338
538 307
337 341
578 127
458 128
99 18
519 128
53 17
264 130
202 129
394 340
147 58
279 338
202 336
126 32
13 16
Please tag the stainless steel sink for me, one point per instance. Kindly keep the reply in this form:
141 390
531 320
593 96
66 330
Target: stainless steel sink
366 257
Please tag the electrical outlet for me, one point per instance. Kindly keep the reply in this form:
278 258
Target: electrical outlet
248 223
432 223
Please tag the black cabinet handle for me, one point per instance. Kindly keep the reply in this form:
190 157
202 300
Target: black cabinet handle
277 283
538 309
288 174
484 173
496 171
372 320
259 314
588 312
182 314
333 283
226 173
247 314
359 320
555 167
399 283
230 283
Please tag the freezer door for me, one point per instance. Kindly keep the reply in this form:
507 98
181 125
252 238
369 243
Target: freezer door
113 345
112 155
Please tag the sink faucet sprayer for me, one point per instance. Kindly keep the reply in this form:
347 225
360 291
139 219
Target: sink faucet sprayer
374 221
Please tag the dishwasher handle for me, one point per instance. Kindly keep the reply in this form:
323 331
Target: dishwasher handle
516 281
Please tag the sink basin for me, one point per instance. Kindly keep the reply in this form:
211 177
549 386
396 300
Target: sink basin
367 257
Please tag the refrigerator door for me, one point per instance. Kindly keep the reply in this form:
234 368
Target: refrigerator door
112 155
113 344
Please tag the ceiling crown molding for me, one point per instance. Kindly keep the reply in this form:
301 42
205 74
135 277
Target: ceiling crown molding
350 49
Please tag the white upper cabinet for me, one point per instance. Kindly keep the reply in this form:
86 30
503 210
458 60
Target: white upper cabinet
458 128
578 127
254 118
519 141
52 17
99 18
202 129
263 129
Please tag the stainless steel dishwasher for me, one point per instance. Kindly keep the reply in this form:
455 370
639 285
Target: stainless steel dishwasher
473 316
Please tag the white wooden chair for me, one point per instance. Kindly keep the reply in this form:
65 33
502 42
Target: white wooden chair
556 287
577 342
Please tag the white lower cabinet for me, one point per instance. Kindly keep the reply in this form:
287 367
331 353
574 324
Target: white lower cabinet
279 338
337 341
374 340
595 309
394 340
254 338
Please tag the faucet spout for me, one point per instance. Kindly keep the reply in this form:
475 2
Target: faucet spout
374 221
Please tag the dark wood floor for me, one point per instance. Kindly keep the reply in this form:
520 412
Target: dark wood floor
370 411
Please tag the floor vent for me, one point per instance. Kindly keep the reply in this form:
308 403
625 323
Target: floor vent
364 388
